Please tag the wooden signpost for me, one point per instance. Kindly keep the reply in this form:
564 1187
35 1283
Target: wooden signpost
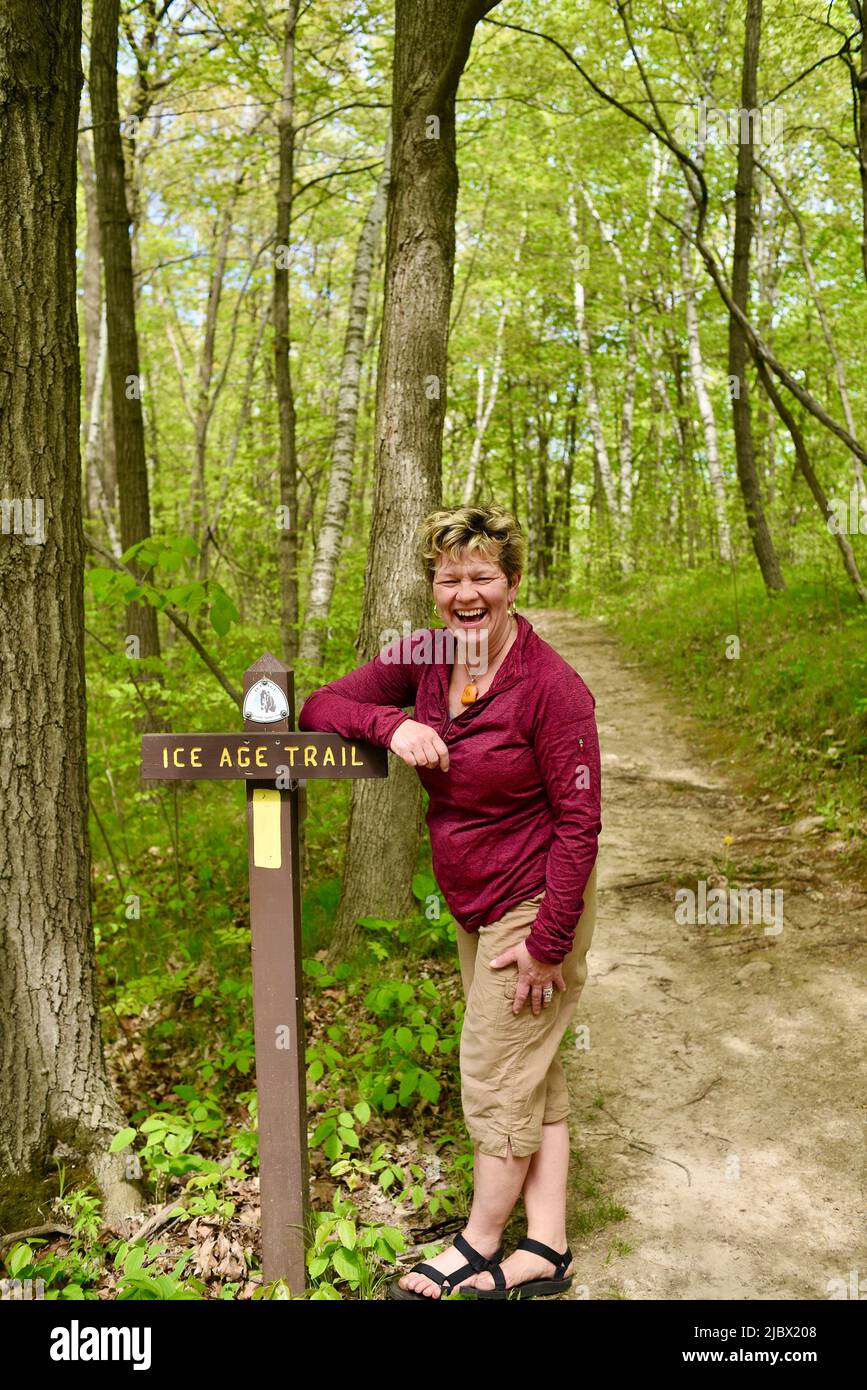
272 759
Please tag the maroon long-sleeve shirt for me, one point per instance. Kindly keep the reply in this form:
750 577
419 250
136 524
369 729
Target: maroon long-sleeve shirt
519 810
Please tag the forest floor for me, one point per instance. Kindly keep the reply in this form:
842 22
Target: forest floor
721 1099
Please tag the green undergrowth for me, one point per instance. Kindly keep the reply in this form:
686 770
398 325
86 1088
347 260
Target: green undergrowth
780 683
390 1163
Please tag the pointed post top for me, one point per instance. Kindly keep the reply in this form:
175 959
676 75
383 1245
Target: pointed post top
266 665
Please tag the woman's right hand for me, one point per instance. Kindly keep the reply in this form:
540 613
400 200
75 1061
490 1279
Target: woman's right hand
419 745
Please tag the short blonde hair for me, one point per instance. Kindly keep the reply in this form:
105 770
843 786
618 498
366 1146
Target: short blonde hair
495 533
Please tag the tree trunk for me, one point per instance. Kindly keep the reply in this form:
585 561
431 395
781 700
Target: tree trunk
206 393
564 536
859 91
242 418
544 517
93 340
630 295
93 443
288 545
365 469
681 422
123 354
55 1098
702 395
432 44
738 349
513 459
330 539
531 513
485 405
594 415
207 389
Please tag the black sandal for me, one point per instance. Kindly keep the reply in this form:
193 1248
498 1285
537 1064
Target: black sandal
476 1264
537 1287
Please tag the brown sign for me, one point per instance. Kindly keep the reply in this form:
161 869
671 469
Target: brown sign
261 756
272 761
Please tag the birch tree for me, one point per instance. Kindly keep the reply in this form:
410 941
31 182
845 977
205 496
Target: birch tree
331 529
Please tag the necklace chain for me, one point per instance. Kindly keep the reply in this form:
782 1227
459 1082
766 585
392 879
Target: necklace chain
474 677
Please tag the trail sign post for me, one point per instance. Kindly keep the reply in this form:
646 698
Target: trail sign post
272 759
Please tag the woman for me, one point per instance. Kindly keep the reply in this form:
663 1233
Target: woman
504 741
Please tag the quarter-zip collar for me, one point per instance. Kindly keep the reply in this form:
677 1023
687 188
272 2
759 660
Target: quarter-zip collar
511 671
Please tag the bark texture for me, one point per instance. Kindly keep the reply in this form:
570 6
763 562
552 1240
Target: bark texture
54 1095
748 477
432 44
123 355
288 546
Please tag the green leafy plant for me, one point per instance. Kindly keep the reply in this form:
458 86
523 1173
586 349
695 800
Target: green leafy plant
168 553
147 1282
168 1139
347 1252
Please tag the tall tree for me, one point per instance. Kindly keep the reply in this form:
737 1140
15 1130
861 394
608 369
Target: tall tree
54 1092
333 524
123 352
94 358
858 82
207 390
431 45
601 459
288 548
748 476
485 401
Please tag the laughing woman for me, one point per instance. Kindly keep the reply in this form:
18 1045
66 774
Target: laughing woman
503 737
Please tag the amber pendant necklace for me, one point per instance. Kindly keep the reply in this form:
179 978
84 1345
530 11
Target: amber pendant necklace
470 692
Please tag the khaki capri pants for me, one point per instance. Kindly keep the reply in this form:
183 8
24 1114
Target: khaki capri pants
512 1078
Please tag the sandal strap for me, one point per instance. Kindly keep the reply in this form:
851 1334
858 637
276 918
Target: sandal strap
560 1262
496 1273
476 1264
430 1272
477 1261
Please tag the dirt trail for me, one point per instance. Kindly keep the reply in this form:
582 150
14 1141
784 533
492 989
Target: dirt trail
730 1063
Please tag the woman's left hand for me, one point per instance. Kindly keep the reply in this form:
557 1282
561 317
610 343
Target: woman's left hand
533 976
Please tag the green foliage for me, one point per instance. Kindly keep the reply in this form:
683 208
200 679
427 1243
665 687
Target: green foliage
403 1055
434 935
146 1282
791 704
346 1253
167 1150
117 588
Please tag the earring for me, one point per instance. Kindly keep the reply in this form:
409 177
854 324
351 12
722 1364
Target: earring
512 609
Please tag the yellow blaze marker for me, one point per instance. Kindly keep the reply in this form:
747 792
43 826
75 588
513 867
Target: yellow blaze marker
266 828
